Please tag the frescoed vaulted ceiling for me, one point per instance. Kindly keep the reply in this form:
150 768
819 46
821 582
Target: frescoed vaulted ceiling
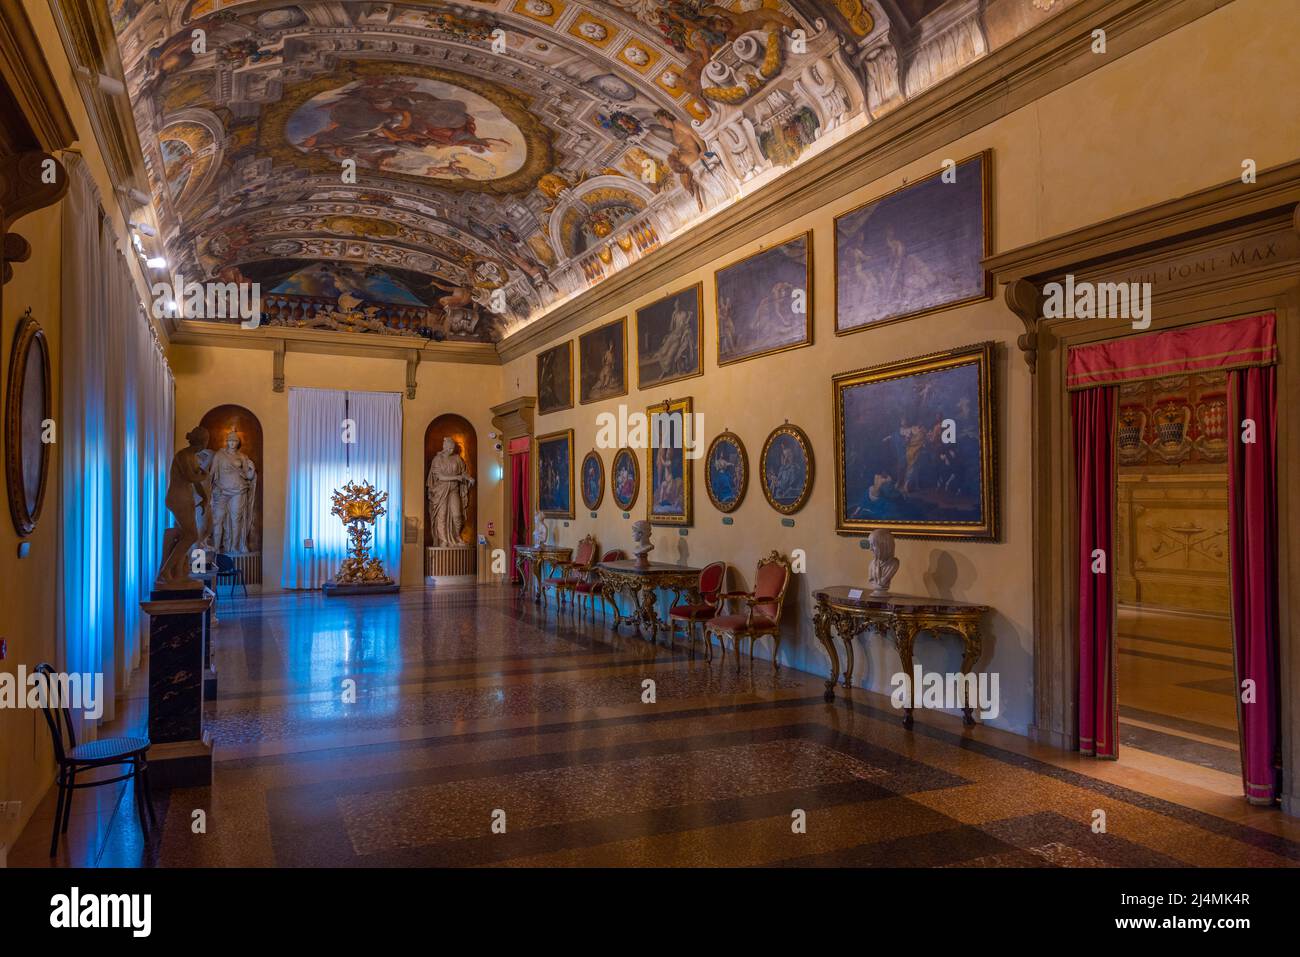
491 158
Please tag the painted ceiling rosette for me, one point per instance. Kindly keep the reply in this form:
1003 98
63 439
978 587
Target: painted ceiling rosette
478 163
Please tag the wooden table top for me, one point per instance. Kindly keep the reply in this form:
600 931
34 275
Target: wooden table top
632 566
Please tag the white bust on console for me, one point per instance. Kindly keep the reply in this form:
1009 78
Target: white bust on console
540 531
884 566
641 544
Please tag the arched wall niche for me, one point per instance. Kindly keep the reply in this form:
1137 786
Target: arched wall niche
220 421
459 430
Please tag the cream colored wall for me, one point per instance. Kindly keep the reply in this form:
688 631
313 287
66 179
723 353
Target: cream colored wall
1177 115
206 377
29 586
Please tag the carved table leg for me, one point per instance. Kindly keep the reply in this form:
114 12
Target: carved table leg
537 582
822 628
904 635
844 628
972 647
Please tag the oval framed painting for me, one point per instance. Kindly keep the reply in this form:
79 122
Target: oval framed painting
726 472
624 479
785 469
27 409
593 480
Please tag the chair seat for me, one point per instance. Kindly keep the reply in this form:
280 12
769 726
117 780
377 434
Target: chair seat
737 623
587 587
106 749
693 612
555 580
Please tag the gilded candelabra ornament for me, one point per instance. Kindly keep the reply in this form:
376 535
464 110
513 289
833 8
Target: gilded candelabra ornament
359 506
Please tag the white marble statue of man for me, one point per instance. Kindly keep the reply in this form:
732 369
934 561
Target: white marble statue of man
234 480
446 488
884 566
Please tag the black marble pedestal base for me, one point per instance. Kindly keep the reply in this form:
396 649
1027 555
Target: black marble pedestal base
333 588
179 756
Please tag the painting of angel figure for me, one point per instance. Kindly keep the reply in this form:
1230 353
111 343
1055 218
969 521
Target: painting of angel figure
914 251
915 446
764 302
555 474
668 334
602 362
555 378
668 470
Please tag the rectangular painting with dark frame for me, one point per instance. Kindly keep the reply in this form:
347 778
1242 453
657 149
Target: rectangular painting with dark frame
668 468
764 302
668 336
555 474
915 446
915 250
555 378
602 362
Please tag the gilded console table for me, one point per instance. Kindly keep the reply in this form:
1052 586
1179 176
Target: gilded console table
538 555
845 612
642 583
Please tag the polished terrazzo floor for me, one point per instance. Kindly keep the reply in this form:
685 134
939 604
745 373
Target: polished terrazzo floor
395 730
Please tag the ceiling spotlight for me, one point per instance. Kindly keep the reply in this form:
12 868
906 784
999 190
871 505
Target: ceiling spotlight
106 83
145 229
138 196
157 262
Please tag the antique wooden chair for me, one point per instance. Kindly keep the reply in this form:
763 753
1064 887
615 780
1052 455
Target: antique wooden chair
591 587
762 615
568 574
713 578
72 759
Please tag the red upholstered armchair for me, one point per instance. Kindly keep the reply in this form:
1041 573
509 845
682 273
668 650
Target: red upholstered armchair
712 579
591 588
762 610
568 574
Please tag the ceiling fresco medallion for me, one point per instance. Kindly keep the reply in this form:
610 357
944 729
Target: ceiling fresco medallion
416 121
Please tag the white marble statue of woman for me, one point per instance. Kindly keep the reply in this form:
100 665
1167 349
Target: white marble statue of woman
641 544
447 489
540 531
234 485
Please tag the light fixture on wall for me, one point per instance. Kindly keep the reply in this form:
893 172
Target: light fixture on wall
144 229
108 84
156 262
137 196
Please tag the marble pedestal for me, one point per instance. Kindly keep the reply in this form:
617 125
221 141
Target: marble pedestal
180 755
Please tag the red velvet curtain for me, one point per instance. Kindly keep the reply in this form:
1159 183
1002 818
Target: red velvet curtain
1252 538
1093 413
520 511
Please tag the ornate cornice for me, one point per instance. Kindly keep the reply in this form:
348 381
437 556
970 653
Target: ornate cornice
27 74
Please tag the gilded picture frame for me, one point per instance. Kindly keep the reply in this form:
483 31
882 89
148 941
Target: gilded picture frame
555 378
28 406
786 469
726 491
592 372
592 501
661 312
668 498
738 291
916 446
554 473
876 236
624 479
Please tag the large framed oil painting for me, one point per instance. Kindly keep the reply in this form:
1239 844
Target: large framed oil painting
668 470
915 250
28 407
602 362
726 472
593 480
624 479
764 302
555 474
555 378
668 337
915 446
785 469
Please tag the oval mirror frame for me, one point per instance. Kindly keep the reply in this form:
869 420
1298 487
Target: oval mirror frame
29 346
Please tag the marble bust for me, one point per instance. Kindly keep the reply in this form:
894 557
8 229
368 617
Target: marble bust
446 490
641 544
234 485
186 479
884 566
540 531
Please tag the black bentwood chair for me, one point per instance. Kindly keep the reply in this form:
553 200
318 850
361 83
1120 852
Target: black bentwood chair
76 758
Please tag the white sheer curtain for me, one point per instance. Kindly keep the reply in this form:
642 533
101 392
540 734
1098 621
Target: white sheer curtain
321 459
115 441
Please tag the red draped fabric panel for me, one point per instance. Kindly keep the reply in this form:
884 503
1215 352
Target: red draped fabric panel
1252 538
1093 413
